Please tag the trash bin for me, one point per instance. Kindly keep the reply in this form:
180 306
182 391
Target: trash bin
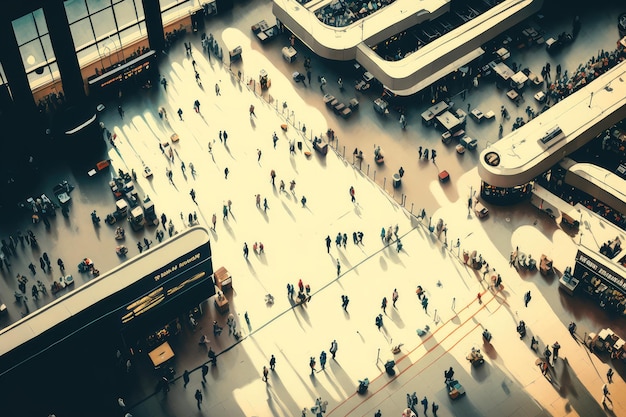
397 181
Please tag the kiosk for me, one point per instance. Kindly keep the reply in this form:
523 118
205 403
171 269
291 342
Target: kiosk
289 53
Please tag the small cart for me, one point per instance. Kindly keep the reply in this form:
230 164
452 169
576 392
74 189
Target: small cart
235 54
455 389
264 80
381 106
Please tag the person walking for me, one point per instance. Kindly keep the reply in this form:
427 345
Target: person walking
252 111
547 354
120 110
435 407
273 359
205 371
180 113
379 321
303 201
338 267
605 395
527 298
265 373
323 360
226 171
382 234
384 305
121 403
479 298
425 404
328 241
609 375
192 193
352 194
217 89
214 220
265 205
185 378
344 302
198 397
312 365
555 351
333 345
258 152
257 198
272 176
394 297
245 250
425 304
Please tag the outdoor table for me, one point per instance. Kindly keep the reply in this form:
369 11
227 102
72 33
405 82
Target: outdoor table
502 70
512 94
289 53
429 115
540 96
477 115
449 122
518 80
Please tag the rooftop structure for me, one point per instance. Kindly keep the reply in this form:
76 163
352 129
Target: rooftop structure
532 149
416 71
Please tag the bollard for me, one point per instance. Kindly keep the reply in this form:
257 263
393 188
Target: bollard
344 152
374 175
384 181
368 170
412 207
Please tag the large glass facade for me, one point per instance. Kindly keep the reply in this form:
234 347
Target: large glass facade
31 32
102 28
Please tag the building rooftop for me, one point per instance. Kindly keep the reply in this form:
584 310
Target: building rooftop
522 155
403 77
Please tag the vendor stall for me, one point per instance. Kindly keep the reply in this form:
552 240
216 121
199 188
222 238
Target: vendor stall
432 112
264 32
607 341
601 282
289 53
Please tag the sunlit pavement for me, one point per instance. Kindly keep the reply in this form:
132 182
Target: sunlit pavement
508 383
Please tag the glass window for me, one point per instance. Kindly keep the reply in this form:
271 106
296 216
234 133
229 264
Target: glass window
40 21
82 33
24 29
96 5
103 23
49 74
75 10
89 54
125 13
47 47
133 33
32 55
166 4
2 76
178 12
109 50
